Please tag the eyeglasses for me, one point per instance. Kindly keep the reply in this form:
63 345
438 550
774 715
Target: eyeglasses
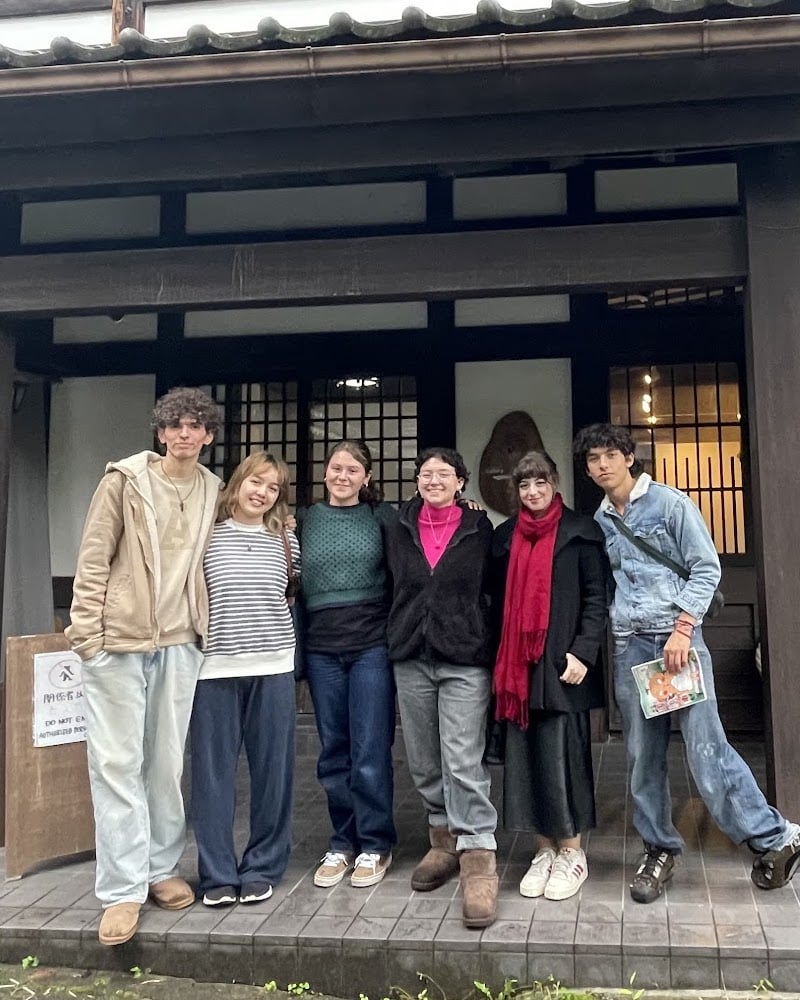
441 475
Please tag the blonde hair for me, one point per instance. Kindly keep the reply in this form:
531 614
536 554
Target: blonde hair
253 465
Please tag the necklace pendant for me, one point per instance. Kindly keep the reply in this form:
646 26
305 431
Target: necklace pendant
181 506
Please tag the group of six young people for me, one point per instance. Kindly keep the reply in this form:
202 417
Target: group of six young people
426 601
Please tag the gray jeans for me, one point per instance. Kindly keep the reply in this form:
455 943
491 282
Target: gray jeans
443 708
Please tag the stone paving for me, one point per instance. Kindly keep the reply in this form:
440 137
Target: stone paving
712 929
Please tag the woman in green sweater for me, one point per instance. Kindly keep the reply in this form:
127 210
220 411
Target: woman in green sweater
349 673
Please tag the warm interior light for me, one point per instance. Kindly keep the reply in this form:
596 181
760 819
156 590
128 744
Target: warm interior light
358 383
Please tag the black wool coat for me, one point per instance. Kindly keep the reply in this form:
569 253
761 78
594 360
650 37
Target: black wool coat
440 613
578 610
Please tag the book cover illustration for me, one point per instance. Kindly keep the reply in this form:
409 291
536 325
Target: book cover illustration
660 692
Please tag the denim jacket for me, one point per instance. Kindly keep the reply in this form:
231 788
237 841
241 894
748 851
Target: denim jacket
648 595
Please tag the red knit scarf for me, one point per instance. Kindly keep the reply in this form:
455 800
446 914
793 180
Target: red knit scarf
526 612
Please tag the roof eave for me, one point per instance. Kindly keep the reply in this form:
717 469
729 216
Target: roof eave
443 55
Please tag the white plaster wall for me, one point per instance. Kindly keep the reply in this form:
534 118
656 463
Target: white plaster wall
28 594
487 390
89 28
92 421
173 20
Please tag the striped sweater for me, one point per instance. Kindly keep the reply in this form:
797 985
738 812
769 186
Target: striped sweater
250 631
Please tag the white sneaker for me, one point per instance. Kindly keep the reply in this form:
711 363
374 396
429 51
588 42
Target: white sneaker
570 871
536 877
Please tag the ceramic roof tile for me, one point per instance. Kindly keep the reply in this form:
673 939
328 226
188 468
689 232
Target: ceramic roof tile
341 28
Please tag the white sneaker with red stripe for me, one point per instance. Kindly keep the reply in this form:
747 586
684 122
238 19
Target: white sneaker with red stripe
570 871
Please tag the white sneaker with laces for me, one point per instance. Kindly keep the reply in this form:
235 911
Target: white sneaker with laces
370 869
570 871
536 877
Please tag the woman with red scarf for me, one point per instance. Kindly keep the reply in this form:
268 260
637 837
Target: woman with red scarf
551 572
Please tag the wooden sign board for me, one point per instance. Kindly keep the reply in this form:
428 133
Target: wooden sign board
48 804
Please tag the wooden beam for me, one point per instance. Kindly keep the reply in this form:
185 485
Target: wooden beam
377 268
243 92
279 156
772 200
6 411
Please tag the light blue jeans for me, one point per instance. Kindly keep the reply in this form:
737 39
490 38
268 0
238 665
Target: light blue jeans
138 707
443 709
725 783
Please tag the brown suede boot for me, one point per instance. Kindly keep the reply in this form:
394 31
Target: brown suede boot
119 923
479 887
439 864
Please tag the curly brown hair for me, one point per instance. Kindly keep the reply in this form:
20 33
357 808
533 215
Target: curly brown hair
182 402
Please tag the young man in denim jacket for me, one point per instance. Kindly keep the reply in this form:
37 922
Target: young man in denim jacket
656 613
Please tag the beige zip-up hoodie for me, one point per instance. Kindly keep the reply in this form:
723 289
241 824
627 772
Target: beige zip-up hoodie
118 576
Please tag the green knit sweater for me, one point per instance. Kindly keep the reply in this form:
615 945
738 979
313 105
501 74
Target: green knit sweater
343 554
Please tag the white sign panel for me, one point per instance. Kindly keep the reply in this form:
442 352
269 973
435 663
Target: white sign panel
58 703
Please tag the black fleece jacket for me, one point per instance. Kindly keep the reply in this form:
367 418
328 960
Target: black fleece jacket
440 613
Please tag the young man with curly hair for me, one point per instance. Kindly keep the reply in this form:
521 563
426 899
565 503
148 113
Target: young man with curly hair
139 608
656 613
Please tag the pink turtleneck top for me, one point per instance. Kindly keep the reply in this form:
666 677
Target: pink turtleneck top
437 525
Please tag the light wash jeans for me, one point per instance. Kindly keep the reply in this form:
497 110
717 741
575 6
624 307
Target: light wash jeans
138 707
443 708
725 783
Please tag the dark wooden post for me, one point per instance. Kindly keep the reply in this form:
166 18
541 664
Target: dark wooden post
126 14
6 410
770 183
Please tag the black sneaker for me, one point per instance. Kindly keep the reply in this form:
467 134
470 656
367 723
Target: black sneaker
220 895
774 869
255 892
653 873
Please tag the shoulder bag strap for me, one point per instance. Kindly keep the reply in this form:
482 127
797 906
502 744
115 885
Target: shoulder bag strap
287 549
650 550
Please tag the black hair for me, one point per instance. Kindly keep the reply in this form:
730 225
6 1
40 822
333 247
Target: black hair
448 455
605 436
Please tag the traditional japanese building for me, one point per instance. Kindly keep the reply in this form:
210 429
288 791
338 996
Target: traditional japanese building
404 225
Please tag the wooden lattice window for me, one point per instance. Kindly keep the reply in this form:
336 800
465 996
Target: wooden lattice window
686 420
257 415
382 411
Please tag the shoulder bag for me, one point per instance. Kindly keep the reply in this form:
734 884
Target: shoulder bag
718 599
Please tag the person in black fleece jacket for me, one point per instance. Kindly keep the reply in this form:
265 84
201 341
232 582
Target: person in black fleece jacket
439 640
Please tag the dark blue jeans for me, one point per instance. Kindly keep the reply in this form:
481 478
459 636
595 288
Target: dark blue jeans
259 712
353 695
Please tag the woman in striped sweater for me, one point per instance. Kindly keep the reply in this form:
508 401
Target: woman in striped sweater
245 693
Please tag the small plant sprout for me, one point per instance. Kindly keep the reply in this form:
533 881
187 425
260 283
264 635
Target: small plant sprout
270 987
29 962
763 986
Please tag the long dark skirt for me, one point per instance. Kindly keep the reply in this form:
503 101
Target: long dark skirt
548 784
